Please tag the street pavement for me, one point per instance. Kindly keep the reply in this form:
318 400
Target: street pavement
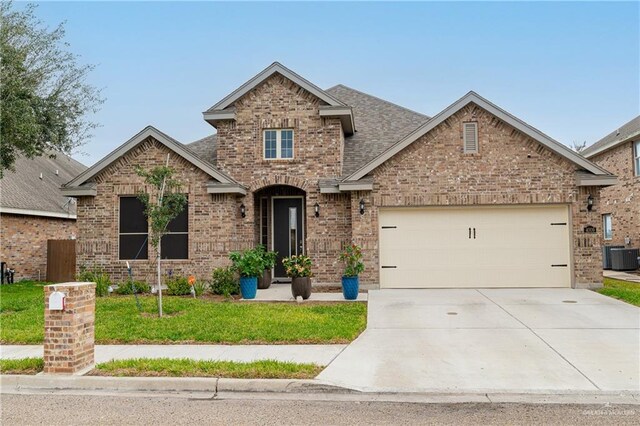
60 409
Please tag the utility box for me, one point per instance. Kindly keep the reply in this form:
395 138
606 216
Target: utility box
606 255
624 259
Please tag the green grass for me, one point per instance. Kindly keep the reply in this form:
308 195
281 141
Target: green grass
166 367
187 320
623 290
21 366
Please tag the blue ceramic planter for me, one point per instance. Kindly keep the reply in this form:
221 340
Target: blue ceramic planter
350 287
248 287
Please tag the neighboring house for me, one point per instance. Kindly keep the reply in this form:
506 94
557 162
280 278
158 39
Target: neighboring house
472 197
619 152
34 210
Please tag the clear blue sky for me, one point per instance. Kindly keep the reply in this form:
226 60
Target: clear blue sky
570 69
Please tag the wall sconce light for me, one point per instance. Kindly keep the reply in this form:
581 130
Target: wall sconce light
589 202
362 206
243 210
316 209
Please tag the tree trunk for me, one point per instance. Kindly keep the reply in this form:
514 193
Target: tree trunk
159 286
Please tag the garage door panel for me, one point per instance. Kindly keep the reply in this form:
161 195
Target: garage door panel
513 247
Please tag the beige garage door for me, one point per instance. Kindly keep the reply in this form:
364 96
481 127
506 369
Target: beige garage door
475 247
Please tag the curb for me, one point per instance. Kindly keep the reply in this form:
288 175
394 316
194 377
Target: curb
291 389
165 384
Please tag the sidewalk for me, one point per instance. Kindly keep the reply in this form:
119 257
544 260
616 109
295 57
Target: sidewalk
314 354
619 275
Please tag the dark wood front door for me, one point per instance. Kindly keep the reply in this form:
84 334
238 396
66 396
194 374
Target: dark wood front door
288 230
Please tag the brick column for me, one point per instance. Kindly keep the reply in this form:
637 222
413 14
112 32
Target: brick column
69 334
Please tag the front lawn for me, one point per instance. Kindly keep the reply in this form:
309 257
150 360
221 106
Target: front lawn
166 367
623 290
21 366
187 320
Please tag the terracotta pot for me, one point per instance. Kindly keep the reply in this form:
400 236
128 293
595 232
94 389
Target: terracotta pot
301 286
264 281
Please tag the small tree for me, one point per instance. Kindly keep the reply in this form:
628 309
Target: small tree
162 205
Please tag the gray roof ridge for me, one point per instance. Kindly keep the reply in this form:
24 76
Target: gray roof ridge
378 98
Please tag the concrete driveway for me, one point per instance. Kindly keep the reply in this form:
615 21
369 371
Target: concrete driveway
509 340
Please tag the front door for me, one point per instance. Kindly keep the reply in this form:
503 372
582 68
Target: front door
288 230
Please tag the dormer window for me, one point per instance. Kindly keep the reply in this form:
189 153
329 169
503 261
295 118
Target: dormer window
278 144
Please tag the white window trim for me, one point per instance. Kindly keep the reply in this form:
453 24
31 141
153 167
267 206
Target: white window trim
278 144
604 226
636 157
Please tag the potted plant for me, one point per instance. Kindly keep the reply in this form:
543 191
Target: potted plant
353 267
269 261
250 266
299 269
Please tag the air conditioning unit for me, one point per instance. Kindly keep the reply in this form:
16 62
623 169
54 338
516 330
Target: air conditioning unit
606 256
624 259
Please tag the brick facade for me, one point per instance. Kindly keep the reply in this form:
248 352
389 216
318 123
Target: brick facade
510 168
622 201
69 334
24 242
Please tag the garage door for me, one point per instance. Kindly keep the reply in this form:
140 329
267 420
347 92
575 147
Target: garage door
475 247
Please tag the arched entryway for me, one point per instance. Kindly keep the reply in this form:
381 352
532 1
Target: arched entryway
280 223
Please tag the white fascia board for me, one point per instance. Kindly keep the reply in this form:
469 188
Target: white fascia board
356 186
265 74
29 212
80 191
216 188
213 116
503 115
167 141
584 179
345 114
610 145
327 188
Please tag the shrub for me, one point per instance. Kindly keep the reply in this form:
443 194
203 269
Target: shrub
225 282
248 263
95 275
177 285
129 286
268 257
297 266
200 287
352 258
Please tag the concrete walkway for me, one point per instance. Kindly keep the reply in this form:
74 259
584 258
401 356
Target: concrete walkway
282 293
619 275
492 340
315 354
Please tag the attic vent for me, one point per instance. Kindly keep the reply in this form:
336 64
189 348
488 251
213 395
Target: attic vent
470 131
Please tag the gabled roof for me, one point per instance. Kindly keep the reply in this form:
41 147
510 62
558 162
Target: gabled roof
276 67
473 97
621 135
81 181
24 191
380 124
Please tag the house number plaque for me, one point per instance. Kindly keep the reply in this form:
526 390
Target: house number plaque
590 229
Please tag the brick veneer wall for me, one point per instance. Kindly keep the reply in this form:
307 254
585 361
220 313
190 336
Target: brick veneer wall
69 334
318 144
621 200
24 242
510 168
213 219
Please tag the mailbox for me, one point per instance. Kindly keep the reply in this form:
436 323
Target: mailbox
56 301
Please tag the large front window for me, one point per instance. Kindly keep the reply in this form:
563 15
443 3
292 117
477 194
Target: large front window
278 144
175 243
134 230
636 157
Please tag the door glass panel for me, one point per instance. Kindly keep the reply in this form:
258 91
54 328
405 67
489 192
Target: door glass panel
293 231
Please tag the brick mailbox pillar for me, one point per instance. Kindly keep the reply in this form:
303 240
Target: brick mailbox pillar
69 332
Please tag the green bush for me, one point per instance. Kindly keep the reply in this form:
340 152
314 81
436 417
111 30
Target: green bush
200 287
249 262
225 282
95 275
177 285
129 286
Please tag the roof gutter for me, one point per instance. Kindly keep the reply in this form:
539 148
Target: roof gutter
42 213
